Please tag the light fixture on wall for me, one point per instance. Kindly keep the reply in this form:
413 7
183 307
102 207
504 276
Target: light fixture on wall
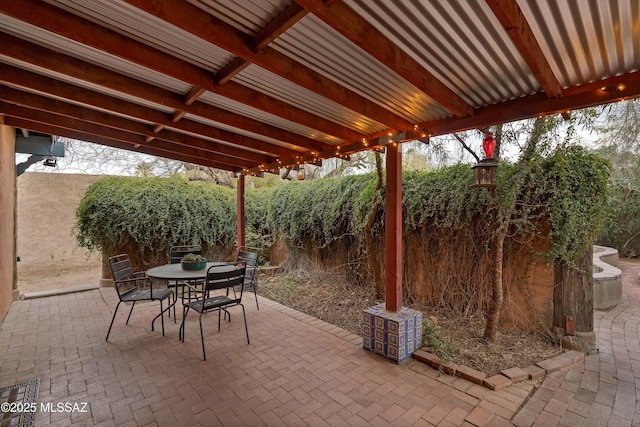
50 161
484 172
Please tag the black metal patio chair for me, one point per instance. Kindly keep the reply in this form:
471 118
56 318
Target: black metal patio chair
218 278
176 253
249 256
134 287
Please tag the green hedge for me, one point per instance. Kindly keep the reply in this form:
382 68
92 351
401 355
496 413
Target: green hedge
568 188
152 214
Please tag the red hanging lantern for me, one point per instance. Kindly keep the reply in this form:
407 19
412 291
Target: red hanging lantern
489 145
484 172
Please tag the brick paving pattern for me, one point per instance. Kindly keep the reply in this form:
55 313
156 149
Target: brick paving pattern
297 371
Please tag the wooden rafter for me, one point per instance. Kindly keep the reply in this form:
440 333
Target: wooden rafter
510 16
53 129
75 94
180 140
351 25
90 128
269 33
34 54
75 28
196 21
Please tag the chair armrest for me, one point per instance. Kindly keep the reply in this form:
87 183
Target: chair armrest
136 279
192 287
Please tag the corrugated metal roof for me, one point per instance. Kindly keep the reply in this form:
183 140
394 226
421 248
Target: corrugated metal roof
586 41
271 84
458 41
140 26
248 16
311 43
262 116
89 54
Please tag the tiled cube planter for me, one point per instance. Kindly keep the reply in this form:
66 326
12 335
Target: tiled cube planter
393 335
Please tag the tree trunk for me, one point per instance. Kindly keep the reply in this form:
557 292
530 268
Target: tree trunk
503 220
573 295
497 294
376 267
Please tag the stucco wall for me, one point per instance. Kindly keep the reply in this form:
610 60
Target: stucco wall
7 218
46 215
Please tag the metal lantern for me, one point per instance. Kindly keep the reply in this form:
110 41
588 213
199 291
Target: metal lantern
301 173
484 172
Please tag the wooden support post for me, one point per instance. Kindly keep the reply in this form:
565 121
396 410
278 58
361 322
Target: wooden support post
393 229
241 222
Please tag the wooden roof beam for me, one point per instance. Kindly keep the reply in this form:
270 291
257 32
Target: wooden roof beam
588 95
279 25
119 135
42 103
36 82
46 58
347 22
53 129
88 33
196 21
510 16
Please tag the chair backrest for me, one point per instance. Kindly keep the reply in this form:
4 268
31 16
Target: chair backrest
226 276
249 258
177 252
120 267
121 270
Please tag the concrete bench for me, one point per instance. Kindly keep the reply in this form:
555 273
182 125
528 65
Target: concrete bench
607 278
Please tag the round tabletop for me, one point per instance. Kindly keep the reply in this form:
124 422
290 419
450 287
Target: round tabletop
175 271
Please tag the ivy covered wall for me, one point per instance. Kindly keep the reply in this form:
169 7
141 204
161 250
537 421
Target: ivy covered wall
448 227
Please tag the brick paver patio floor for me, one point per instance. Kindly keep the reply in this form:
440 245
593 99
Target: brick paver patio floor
297 371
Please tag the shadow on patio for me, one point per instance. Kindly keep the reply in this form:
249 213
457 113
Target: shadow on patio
298 370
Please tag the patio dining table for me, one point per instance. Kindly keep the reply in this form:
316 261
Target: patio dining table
175 272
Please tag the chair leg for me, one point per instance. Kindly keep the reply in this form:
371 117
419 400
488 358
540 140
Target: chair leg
185 310
255 294
204 355
130 311
161 315
112 319
246 328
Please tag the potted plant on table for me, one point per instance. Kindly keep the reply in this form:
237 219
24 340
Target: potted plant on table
193 262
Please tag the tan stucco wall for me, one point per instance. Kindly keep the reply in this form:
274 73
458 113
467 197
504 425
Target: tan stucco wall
46 215
7 218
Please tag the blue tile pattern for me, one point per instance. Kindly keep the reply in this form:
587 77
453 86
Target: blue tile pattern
393 335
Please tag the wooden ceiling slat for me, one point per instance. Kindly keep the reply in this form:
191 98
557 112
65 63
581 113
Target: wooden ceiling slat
587 95
198 22
83 31
285 20
46 58
42 84
114 134
513 21
130 146
74 111
344 20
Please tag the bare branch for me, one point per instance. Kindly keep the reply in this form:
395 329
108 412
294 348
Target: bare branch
466 147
